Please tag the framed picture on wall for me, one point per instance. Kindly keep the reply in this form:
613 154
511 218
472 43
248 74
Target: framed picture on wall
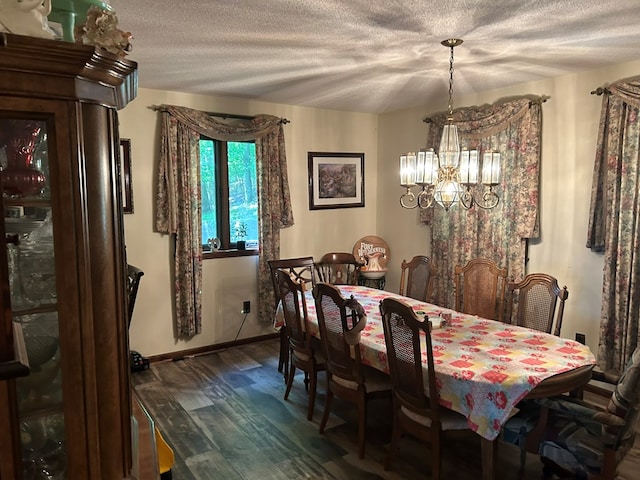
126 187
336 180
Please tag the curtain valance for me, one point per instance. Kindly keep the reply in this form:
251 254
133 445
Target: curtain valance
483 121
628 91
229 129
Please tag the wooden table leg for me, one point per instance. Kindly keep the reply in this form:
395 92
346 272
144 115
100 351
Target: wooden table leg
489 449
283 362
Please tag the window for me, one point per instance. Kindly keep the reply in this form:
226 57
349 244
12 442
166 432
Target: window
229 191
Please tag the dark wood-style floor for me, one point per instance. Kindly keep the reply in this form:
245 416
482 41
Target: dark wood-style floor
225 418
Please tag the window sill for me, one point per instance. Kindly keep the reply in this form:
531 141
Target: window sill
230 253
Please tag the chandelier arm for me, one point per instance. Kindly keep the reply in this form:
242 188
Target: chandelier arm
490 199
425 197
408 199
467 199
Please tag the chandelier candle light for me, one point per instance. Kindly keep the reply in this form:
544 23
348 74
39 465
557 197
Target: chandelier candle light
443 176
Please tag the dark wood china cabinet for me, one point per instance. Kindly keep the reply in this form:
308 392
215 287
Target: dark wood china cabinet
65 401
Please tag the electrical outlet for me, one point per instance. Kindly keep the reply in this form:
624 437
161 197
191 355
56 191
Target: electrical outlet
246 307
580 338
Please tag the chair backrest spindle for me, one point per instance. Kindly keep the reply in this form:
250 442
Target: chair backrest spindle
299 269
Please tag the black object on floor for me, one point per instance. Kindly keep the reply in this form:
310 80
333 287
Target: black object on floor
138 362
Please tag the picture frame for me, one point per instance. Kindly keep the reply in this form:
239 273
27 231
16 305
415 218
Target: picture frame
126 185
336 180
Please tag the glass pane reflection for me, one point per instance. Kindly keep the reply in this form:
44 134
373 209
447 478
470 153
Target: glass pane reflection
24 164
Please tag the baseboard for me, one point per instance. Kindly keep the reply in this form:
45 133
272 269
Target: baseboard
179 355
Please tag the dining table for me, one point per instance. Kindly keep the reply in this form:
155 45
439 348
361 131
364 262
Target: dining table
483 367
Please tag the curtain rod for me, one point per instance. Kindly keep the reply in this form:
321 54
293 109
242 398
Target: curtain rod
600 90
160 108
240 117
541 99
230 115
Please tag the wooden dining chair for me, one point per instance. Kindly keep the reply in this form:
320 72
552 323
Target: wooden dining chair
417 275
480 288
414 412
535 299
303 354
341 321
301 270
338 268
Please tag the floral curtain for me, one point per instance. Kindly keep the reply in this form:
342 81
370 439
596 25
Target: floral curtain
614 222
178 202
514 129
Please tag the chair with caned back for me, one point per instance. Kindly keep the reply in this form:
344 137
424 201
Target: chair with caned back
301 270
338 268
480 288
415 413
417 277
303 354
539 303
341 321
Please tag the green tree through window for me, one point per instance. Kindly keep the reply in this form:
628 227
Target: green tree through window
229 191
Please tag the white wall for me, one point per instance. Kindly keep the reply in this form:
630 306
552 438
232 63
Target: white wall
228 282
570 126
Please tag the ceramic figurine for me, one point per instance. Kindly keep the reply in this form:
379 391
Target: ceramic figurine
26 17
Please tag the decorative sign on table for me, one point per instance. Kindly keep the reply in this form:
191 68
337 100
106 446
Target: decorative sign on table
374 253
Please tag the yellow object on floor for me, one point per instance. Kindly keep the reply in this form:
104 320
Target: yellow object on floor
165 453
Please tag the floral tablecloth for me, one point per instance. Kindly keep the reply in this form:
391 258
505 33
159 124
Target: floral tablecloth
483 367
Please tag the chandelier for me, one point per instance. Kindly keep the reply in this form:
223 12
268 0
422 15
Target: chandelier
448 177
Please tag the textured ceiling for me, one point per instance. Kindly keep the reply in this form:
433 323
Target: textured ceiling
373 55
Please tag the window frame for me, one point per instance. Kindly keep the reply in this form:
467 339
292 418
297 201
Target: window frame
221 169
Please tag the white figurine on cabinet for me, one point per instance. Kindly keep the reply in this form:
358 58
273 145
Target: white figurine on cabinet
26 17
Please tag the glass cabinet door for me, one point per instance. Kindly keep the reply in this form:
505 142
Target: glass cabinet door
28 225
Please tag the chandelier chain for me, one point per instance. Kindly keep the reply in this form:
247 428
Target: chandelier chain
451 83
